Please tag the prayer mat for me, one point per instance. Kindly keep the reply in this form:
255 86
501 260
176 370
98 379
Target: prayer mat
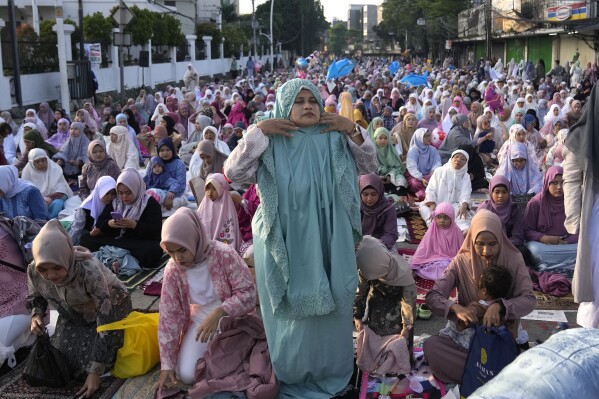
416 227
398 387
141 387
134 281
13 386
422 285
550 302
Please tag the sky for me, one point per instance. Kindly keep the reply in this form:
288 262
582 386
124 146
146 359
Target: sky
332 8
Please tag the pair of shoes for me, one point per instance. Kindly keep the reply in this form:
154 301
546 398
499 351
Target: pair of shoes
424 311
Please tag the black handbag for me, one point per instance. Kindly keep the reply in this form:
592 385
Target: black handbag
46 366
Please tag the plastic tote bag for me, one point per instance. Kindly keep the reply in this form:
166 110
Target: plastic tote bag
140 350
491 349
46 366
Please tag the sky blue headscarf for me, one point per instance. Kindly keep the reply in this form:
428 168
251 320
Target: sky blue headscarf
287 163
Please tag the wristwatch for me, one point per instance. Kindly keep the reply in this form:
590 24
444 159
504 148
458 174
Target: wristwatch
356 131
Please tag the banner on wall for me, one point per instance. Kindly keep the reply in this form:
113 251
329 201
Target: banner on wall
565 12
93 51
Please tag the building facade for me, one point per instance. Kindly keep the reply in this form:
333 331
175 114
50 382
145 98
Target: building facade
529 30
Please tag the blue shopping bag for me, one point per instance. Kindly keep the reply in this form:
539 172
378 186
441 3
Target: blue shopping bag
491 349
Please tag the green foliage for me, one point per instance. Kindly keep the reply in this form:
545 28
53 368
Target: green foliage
98 29
400 16
35 55
228 9
299 25
235 37
142 25
209 29
167 30
337 39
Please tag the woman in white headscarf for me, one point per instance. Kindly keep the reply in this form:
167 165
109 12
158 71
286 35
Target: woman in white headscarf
190 78
450 183
48 178
414 106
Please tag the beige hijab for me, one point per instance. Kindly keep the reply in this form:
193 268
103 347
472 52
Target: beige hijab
118 151
470 265
375 262
185 228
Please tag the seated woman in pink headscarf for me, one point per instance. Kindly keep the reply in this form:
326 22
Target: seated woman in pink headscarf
204 281
440 244
458 104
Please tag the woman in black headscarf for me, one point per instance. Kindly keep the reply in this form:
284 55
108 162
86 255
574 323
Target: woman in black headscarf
476 170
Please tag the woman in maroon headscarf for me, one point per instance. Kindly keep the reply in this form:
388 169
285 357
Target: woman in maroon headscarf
379 214
551 246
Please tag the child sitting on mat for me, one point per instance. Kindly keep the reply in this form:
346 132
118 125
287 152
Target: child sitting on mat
494 284
439 245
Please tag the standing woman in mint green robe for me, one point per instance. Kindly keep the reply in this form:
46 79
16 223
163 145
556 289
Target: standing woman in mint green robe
306 163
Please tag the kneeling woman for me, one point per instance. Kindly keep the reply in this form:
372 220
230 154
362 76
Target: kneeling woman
485 245
86 295
552 248
204 281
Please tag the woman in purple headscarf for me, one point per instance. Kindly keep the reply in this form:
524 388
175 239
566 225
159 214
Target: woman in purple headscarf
552 247
500 203
524 175
421 162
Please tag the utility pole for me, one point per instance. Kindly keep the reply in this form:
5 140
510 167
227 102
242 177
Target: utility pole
488 28
254 28
272 38
16 68
122 55
81 48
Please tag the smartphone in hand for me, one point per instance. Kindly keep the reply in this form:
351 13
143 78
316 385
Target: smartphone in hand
116 215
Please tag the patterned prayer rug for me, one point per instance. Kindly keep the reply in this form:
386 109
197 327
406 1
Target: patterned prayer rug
416 227
549 302
134 281
13 386
422 286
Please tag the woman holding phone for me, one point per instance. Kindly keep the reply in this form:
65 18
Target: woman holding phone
132 221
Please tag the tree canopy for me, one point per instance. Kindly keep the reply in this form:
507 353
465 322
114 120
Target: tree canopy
400 16
299 25
97 28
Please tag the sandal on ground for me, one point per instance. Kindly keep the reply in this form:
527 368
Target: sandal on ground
424 312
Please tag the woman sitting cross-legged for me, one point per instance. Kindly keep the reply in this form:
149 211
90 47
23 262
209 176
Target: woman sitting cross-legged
136 228
421 161
86 295
169 192
379 213
485 245
20 197
550 244
87 215
450 183
47 176
391 169
204 281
